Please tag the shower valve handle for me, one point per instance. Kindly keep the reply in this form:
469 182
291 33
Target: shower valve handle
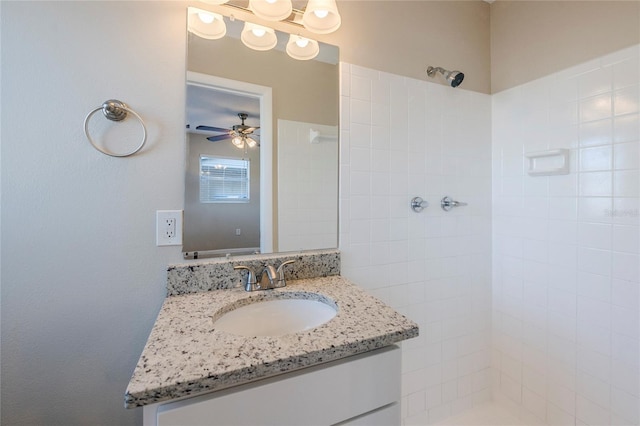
418 204
447 203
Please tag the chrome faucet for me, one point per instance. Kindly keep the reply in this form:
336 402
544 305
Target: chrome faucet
269 278
252 283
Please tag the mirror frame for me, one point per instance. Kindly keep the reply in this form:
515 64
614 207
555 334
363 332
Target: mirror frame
264 95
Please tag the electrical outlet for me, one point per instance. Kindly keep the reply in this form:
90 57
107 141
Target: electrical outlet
168 227
238 231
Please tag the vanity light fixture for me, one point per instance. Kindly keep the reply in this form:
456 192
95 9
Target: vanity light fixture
302 48
321 16
258 37
206 24
271 10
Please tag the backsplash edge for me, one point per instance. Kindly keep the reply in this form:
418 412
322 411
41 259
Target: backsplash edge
218 274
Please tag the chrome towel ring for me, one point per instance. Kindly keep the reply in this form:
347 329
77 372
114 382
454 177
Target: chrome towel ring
115 110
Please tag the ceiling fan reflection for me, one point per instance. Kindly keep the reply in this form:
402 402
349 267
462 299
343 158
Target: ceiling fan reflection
241 135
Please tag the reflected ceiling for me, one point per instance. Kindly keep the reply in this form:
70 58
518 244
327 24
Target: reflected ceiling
215 108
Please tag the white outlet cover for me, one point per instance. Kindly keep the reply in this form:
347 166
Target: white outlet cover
162 237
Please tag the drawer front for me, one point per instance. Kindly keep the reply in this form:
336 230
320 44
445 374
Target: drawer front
388 415
320 395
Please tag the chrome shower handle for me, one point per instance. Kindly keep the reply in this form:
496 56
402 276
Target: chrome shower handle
447 203
418 204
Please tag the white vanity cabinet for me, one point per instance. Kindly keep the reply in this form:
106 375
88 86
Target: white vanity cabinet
362 389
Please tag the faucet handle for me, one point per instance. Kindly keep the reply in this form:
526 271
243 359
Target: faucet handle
252 282
281 267
280 270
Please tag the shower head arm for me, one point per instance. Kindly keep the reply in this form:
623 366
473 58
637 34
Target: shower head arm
454 78
431 71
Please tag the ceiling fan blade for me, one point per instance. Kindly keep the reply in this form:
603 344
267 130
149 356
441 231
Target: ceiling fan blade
218 138
250 129
212 129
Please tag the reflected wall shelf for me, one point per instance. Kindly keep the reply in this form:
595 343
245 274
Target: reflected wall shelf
548 163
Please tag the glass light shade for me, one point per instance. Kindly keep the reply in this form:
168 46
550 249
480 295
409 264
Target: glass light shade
206 24
206 18
214 1
313 20
251 40
250 142
302 48
271 10
237 141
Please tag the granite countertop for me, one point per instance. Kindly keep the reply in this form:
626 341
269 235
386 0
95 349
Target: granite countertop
185 355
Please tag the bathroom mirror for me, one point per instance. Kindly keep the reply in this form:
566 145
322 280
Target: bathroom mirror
290 201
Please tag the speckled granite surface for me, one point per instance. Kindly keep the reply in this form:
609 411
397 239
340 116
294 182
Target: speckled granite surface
185 355
215 274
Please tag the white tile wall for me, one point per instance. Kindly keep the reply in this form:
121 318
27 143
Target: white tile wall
565 248
307 187
402 138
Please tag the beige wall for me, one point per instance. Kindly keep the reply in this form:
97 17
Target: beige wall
531 39
497 46
212 226
405 37
293 82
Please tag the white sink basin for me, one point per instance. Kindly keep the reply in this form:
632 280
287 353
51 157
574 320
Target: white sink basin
275 317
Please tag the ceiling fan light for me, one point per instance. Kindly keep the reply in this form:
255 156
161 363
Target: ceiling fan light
271 10
206 24
238 142
251 142
265 42
214 1
302 48
321 16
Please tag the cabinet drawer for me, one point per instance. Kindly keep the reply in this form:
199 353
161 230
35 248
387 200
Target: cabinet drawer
319 395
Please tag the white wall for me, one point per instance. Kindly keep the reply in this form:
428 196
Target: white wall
531 39
82 279
566 266
403 138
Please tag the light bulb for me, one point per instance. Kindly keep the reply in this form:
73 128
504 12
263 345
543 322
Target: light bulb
237 141
206 24
321 16
206 18
258 32
258 37
251 142
302 48
302 42
321 13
